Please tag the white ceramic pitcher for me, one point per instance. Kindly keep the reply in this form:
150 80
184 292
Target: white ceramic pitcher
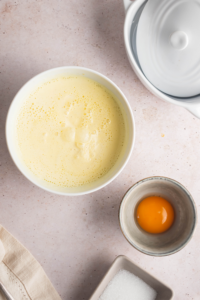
133 10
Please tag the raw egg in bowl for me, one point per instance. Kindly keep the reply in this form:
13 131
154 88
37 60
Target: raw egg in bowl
155 214
158 216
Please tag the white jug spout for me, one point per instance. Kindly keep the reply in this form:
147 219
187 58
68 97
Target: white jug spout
127 3
194 109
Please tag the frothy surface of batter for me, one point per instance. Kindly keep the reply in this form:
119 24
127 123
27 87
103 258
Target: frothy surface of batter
70 131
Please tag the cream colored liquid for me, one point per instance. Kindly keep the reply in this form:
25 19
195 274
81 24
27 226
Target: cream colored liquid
70 131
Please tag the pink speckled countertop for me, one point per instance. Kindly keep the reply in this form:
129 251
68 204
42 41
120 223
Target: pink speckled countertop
76 238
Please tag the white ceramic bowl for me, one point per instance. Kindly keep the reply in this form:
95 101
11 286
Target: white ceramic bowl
124 263
31 85
133 11
178 235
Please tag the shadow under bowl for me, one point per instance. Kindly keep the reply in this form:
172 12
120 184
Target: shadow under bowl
179 234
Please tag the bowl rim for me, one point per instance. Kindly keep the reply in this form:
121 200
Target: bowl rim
132 136
189 197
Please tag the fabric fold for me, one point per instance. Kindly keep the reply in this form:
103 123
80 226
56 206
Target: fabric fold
21 273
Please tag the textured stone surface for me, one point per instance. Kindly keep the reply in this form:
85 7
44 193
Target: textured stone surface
76 239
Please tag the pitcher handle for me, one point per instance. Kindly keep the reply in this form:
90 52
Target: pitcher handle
127 3
194 109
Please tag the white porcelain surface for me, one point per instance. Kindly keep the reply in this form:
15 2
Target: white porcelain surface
20 98
179 234
179 40
76 239
132 8
168 46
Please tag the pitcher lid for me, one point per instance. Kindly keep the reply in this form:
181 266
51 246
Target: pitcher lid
168 45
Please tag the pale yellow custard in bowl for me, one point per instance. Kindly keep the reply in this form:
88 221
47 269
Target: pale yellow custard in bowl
71 133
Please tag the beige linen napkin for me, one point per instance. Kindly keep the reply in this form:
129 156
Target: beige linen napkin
20 272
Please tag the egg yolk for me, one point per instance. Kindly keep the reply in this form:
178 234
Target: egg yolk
155 214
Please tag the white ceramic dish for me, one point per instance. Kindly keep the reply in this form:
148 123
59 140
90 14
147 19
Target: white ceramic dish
178 235
171 63
133 11
122 262
24 92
